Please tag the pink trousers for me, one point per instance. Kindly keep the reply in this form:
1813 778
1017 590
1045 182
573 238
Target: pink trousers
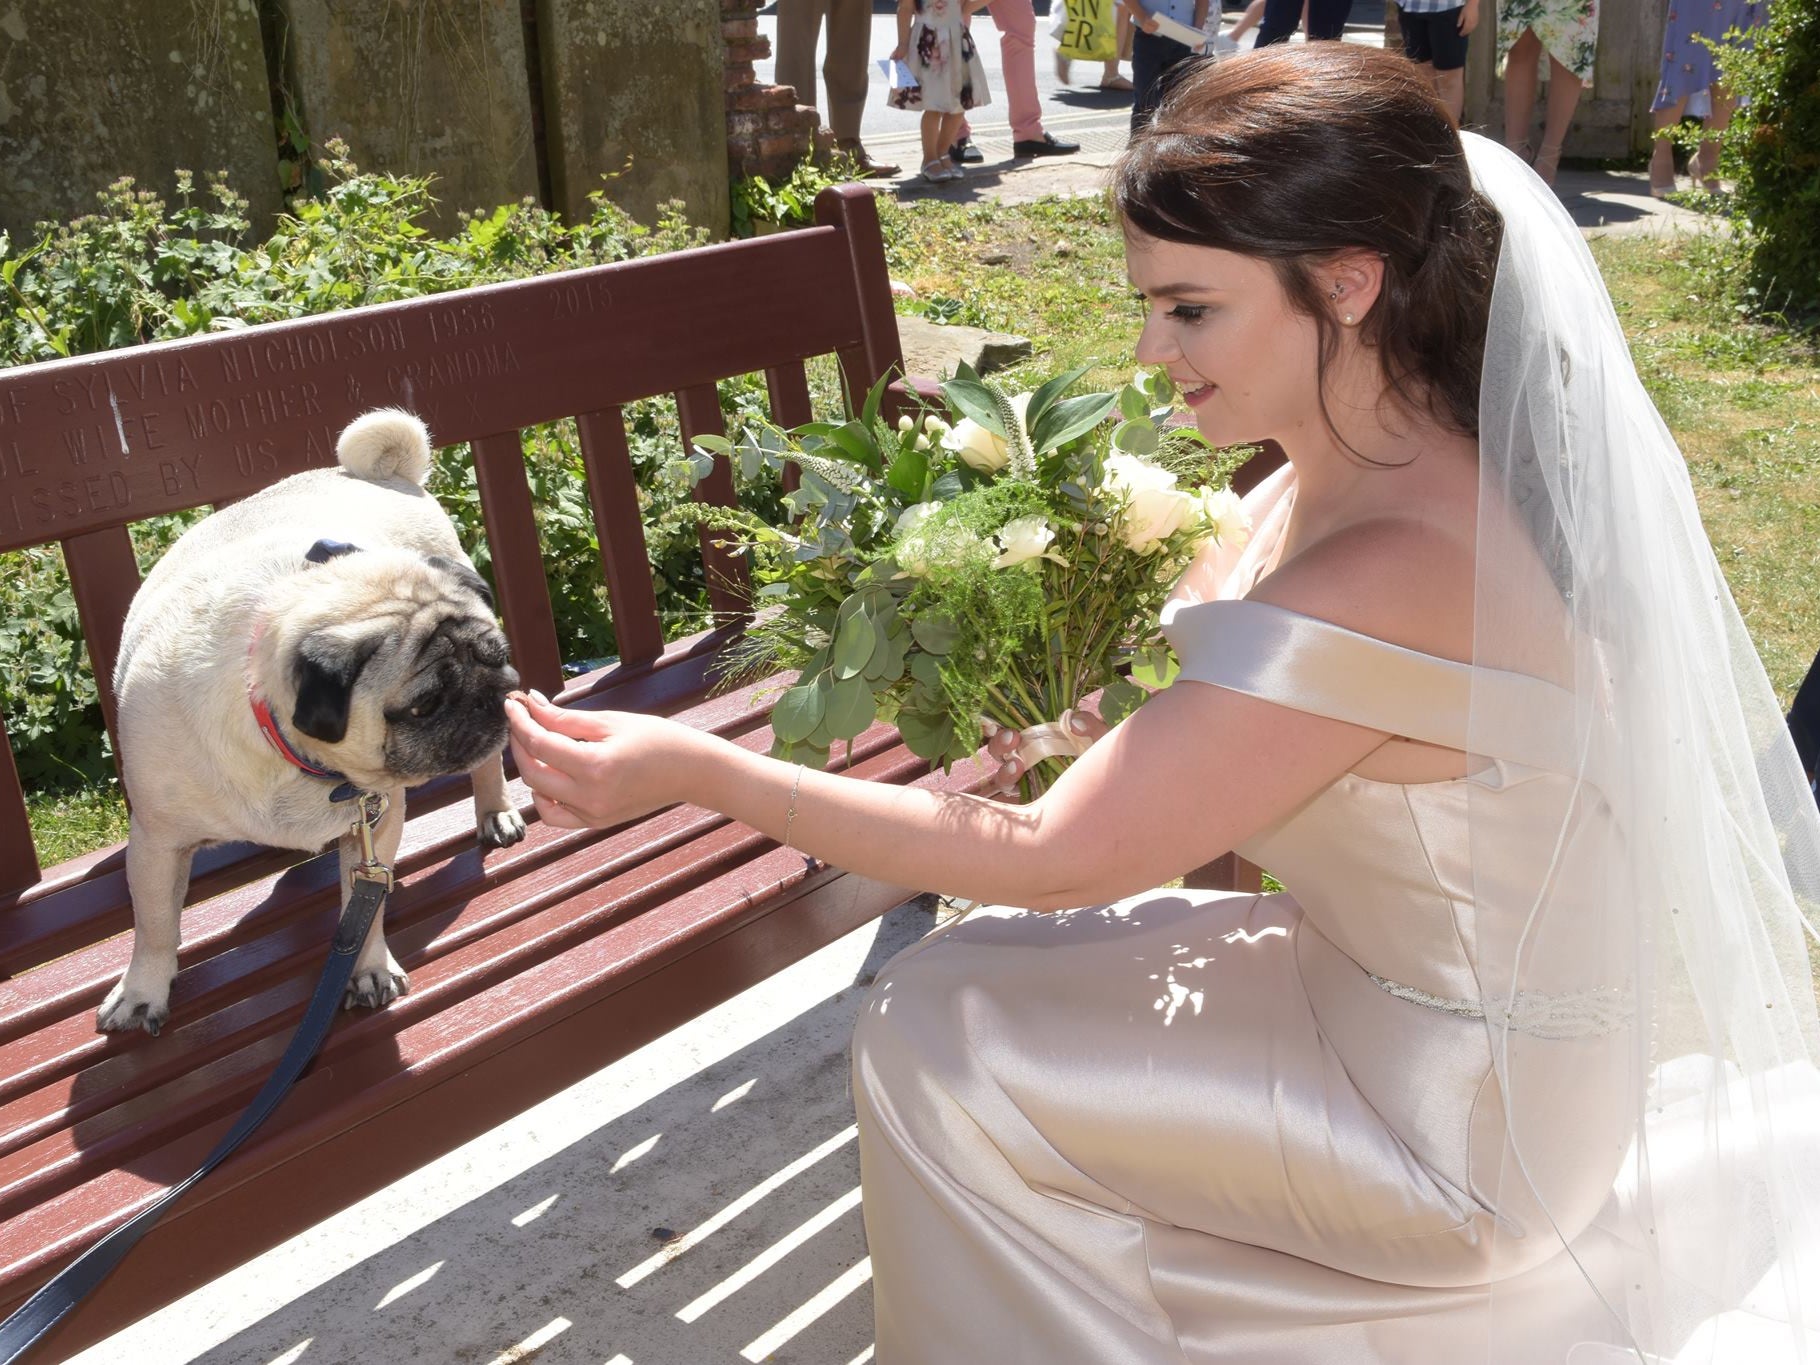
1016 21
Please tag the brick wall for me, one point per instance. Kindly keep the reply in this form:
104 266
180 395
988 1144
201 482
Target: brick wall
768 132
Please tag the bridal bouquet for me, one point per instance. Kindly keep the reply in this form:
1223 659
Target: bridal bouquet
991 567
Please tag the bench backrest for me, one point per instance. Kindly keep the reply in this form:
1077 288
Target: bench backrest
92 444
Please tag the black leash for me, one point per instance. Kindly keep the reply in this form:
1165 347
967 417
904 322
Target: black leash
51 1304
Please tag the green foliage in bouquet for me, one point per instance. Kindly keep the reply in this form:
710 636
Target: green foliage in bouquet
998 565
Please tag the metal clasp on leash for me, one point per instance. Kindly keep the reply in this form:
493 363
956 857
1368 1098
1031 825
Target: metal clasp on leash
372 808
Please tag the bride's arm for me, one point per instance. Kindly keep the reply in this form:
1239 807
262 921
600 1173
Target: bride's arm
1195 771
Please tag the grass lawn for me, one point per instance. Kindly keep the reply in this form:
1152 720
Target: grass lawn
1743 400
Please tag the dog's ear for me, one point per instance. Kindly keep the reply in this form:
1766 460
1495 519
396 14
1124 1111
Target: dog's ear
465 575
323 672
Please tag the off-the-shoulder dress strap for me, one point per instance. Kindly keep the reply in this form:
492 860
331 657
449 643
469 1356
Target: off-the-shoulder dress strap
1324 669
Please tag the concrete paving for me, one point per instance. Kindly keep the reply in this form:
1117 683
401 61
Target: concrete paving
697 1202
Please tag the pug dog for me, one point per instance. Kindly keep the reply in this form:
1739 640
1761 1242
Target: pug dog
324 637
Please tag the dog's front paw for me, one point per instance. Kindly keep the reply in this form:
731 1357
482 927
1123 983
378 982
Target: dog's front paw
499 828
370 990
128 1008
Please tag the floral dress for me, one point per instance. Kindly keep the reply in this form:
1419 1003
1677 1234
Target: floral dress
1687 63
1568 30
943 59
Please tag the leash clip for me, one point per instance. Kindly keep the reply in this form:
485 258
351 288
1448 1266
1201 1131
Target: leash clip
371 809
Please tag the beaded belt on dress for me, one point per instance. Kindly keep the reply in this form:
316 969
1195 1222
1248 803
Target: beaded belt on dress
1588 1013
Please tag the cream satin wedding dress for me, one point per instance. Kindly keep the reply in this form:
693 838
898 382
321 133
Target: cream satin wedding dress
1206 1127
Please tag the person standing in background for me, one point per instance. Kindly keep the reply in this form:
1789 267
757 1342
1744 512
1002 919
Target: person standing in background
1434 38
1152 55
844 70
1568 30
1016 23
1326 19
1688 68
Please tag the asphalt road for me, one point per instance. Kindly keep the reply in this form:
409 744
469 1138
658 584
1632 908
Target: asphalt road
1078 112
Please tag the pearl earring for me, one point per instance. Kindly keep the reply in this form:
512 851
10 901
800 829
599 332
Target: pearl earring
1349 319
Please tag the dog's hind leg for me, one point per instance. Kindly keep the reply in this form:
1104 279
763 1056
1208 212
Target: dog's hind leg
157 876
496 820
378 979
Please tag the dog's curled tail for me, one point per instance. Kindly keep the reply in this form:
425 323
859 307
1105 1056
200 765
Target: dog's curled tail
388 443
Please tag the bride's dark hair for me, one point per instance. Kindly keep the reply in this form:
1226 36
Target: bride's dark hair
1295 155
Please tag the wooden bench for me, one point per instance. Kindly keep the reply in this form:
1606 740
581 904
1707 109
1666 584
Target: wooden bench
530 967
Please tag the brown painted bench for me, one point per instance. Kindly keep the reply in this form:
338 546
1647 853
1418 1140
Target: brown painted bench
530 967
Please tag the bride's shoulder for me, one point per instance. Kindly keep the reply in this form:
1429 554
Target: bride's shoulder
1397 578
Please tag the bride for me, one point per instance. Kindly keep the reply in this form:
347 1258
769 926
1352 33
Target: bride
1519 1068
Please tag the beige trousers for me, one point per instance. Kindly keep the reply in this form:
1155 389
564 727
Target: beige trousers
844 72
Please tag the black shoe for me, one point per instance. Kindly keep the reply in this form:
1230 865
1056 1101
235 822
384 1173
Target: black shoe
964 150
1047 145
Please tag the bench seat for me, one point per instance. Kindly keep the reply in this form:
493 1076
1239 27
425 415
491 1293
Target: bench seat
530 967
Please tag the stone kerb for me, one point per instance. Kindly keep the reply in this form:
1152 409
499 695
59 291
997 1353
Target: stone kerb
89 93
628 94
433 88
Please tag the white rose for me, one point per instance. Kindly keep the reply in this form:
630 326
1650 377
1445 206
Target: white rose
1225 517
912 517
979 448
1023 539
1153 507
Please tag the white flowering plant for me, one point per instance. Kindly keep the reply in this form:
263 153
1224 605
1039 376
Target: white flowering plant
995 565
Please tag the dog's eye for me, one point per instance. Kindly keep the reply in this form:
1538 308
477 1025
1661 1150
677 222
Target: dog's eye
427 707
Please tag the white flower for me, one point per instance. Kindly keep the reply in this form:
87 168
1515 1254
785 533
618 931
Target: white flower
912 517
1225 518
982 449
1022 539
905 422
1153 508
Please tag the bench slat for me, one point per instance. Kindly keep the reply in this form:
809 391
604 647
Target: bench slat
620 528
18 855
104 576
729 582
877 350
788 388
524 595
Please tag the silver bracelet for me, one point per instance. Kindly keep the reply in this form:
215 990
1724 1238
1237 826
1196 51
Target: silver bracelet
790 819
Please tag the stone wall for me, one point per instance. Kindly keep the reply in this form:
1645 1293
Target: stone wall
768 132
92 92
628 94
437 88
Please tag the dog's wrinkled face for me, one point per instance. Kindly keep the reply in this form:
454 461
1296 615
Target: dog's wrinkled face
394 667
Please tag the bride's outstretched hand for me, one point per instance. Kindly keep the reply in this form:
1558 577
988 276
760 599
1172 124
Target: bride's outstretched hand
591 769
1004 746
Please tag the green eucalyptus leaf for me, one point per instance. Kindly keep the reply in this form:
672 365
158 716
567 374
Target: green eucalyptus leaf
850 709
1155 667
946 487
1136 436
1120 699
797 713
853 646
927 670
927 736
1133 402
714 445
935 633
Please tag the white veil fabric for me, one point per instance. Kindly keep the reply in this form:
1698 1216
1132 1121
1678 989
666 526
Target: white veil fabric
1646 982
